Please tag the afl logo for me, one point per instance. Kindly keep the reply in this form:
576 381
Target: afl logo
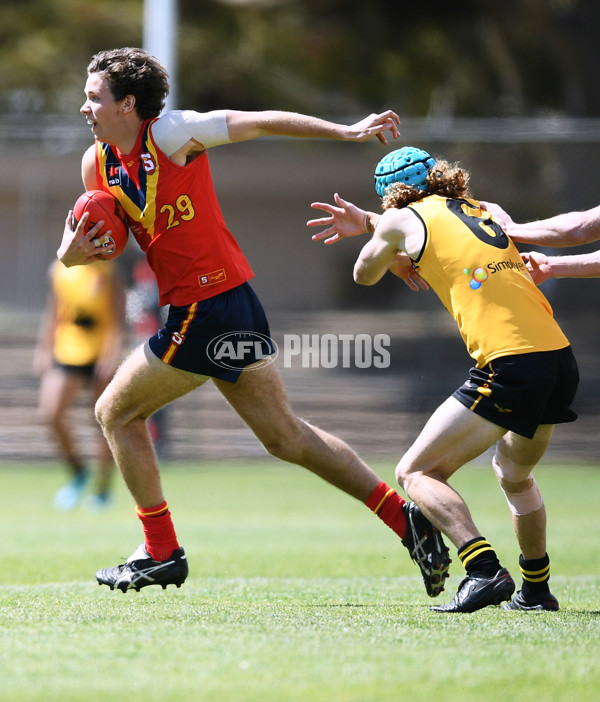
239 349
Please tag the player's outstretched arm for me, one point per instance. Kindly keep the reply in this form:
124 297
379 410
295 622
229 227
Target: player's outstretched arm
569 229
243 126
542 267
343 221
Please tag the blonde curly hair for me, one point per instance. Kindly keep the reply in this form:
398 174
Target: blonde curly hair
445 179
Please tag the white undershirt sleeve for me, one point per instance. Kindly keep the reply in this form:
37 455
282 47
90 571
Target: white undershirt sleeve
175 128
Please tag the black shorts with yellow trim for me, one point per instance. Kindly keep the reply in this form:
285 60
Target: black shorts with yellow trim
217 337
523 391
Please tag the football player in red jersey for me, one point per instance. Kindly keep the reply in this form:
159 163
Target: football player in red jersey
157 166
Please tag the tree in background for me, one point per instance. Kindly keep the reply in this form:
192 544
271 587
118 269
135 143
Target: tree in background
473 58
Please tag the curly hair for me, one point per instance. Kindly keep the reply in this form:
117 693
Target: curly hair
448 180
131 71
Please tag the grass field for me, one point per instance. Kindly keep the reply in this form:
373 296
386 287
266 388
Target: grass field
296 593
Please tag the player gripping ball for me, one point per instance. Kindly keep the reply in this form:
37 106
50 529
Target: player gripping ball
111 240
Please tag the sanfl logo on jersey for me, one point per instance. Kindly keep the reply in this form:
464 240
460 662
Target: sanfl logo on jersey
148 162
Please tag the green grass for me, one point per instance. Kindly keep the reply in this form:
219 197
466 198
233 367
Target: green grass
296 594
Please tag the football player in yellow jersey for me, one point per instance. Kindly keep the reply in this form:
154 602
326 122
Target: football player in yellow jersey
433 234
80 344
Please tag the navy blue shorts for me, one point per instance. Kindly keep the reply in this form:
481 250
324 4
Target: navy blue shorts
521 392
217 337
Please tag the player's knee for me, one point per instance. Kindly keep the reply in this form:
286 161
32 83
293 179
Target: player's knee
399 475
99 412
284 450
102 410
518 485
405 472
293 440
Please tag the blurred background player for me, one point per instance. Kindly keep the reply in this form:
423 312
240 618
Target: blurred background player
80 346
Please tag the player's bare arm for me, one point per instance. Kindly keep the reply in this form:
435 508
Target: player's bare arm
379 253
88 169
542 267
344 219
569 229
250 125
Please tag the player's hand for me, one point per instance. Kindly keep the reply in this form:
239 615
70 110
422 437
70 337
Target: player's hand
500 216
403 267
538 266
375 125
77 247
344 221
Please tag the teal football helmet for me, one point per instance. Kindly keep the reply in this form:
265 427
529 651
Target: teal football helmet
407 165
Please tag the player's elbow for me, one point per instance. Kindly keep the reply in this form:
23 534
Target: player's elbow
363 277
363 280
588 230
578 228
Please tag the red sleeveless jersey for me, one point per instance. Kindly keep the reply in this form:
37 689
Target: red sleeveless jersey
176 219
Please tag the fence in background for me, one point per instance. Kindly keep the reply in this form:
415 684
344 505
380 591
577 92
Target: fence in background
535 168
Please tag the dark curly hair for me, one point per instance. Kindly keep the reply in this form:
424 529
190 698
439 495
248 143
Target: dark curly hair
131 71
448 180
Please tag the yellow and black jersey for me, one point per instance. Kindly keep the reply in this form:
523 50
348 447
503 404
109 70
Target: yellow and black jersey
478 274
84 311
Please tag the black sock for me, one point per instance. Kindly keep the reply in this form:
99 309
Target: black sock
536 573
479 558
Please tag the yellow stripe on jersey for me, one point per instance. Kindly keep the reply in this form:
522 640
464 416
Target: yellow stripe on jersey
138 199
149 216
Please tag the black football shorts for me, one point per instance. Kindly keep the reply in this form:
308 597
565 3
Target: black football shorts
521 392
